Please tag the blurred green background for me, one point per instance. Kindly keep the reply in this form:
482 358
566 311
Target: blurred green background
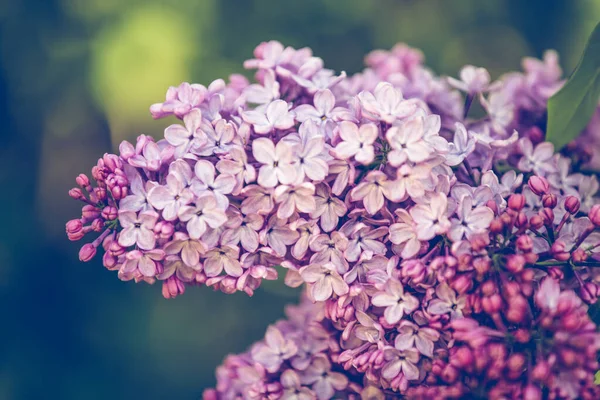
77 77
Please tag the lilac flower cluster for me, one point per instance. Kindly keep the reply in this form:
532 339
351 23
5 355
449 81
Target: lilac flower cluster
443 255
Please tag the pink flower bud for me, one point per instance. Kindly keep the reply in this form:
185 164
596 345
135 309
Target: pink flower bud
98 225
112 161
119 192
572 204
515 263
594 215
115 249
496 226
538 185
110 213
492 304
82 180
172 288
541 371
521 220
549 200
589 292
522 335
89 212
547 216
524 243
559 250
462 357
74 226
535 134
517 309
516 202
87 252
100 193
536 222
164 229
532 392
462 284
76 194
579 255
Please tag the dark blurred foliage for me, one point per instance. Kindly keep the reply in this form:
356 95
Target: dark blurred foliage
77 77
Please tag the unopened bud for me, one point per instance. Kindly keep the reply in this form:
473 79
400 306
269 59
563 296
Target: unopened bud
559 251
536 222
538 185
82 180
525 243
594 215
547 216
87 252
572 204
549 200
516 202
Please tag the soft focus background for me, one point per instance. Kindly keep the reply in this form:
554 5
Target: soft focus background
77 77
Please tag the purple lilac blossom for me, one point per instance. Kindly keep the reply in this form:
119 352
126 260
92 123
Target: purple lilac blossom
442 256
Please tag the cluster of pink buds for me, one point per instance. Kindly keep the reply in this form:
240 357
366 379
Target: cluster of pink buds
442 256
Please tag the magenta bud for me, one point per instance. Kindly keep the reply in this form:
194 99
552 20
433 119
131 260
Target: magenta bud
115 249
100 193
462 357
590 292
516 202
539 185
112 161
97 225
532 392
164 229
492 304
118 193
579 255
462 284
89 212
82 180
559 251
87 252
172 287
572 204
541 371
110 213
496 226
549 200
594 215
535 134
74 226
547 216
515 263
536 222
521 220
76 194
109 261
126 150
525 243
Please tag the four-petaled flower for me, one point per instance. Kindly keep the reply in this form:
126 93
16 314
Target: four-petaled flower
447 302
396 301
407 142
274 350
137 229
205 212
275 116
357 142
324 280
277 162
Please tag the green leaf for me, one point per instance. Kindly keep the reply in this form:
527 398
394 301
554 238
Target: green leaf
571 108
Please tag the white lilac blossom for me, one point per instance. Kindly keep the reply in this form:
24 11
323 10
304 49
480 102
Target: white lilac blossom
441 256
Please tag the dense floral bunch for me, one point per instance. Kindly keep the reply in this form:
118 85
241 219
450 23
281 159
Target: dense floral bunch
443 255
